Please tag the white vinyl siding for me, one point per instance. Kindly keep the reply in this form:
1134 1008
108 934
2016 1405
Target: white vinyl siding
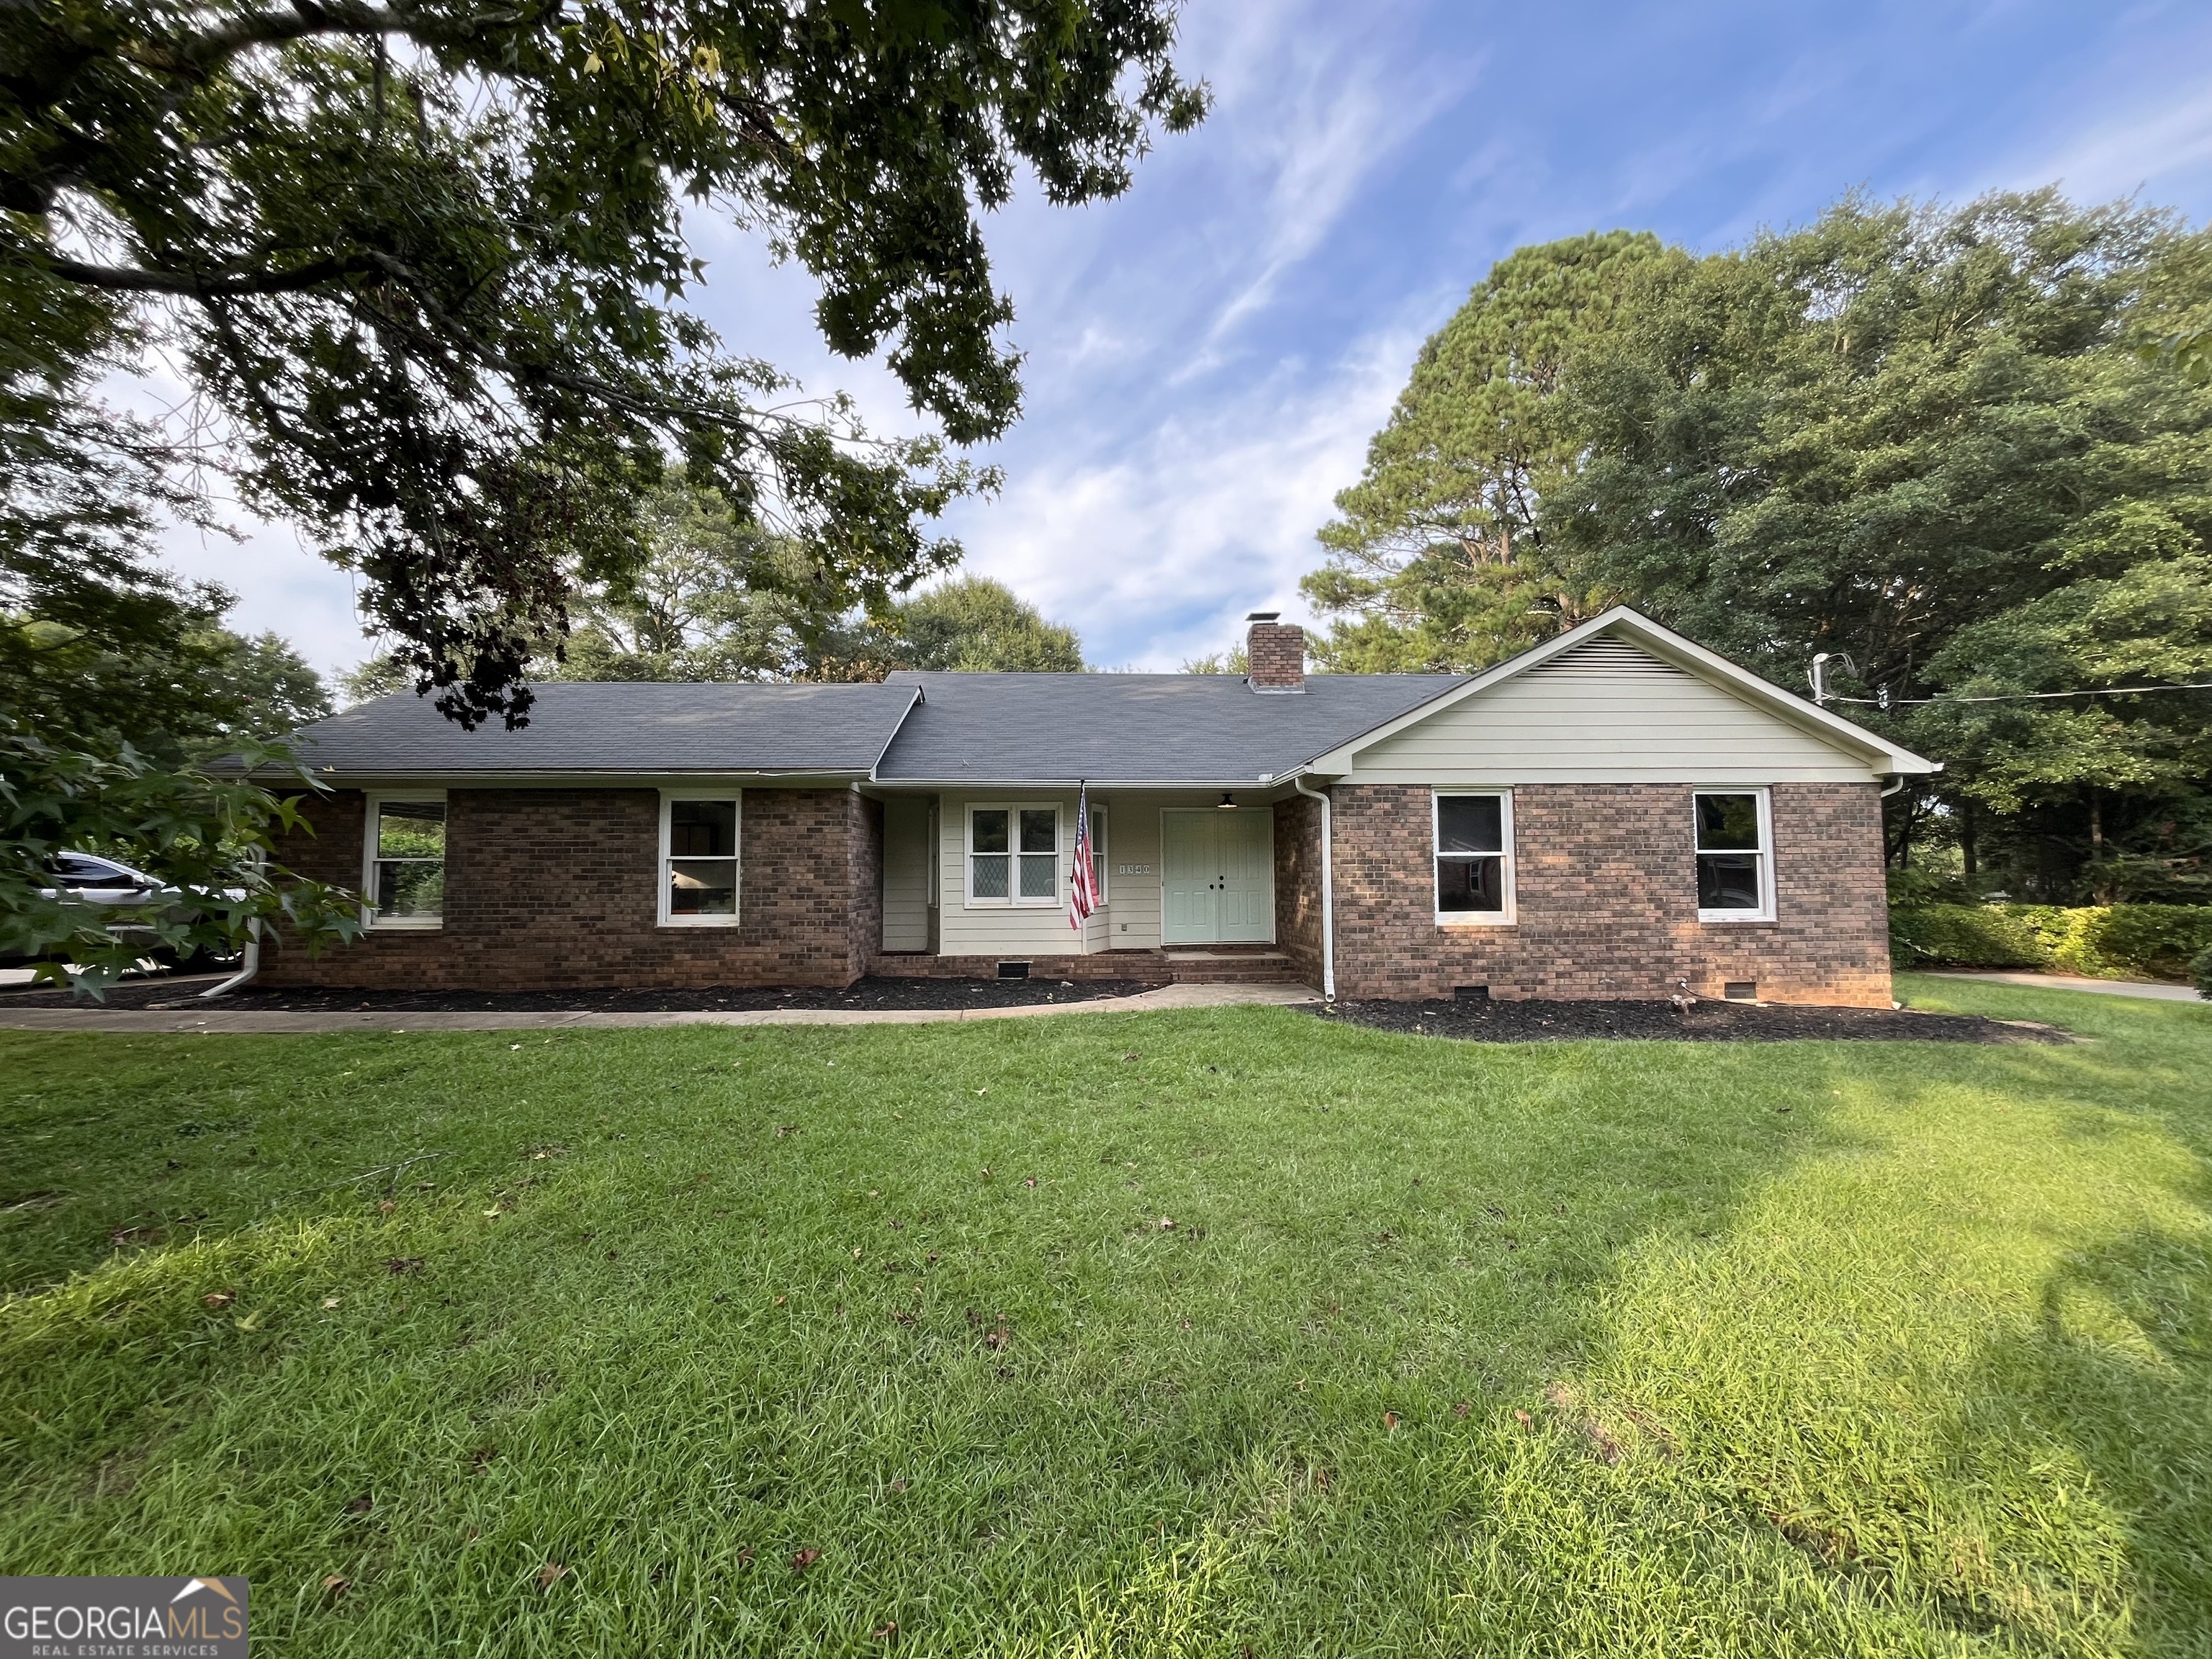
906 873
1606 713
1132 880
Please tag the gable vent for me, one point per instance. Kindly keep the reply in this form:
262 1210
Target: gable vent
1606 654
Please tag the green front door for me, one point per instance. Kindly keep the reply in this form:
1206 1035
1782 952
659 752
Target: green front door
1218 876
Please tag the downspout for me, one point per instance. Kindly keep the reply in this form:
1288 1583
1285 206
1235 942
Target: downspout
247 969
1328 894
252 964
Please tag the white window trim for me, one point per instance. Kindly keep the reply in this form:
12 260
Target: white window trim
1510 916
1101 851
1013 901
369 919
1763 797
670 919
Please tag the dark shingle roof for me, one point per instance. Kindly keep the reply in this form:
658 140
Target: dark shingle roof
625 726
1136 728
996 728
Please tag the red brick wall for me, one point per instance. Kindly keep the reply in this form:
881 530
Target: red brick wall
864 881
1606 900
559 887
1297 885
1275 655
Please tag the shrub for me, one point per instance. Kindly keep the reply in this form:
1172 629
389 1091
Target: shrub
2159 941
1963 936
2201 971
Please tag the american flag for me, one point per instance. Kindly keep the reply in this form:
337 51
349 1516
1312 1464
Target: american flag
1082 888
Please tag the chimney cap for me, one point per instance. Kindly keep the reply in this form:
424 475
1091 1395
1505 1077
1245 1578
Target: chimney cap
1261 615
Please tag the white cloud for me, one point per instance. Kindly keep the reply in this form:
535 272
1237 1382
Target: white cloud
2120 157
1154 554
1319 123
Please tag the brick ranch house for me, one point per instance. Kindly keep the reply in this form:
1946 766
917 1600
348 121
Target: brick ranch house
1617 813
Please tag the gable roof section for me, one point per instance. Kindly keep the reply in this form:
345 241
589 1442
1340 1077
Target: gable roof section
584 726
994 729
1609 642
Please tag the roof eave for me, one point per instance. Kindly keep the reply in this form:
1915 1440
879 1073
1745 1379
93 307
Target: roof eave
1263 781
639 777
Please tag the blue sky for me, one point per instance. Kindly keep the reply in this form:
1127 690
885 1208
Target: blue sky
1207 357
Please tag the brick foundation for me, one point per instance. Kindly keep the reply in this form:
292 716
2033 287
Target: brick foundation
558 889
1099 964
1606 900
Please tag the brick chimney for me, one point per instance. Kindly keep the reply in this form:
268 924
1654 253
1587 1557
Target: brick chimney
1276 652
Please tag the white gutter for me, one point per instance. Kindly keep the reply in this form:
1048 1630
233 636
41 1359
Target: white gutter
1327 893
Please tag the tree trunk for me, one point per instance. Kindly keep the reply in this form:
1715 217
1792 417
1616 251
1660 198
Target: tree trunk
2100 889
1966 837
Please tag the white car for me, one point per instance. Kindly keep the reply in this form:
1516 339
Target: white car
89 879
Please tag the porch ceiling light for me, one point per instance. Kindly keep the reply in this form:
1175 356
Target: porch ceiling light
1228 801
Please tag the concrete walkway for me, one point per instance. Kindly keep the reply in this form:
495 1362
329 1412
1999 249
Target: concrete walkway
2111 988
212 1019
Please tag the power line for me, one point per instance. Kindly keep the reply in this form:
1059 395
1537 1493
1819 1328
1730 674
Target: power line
2026 696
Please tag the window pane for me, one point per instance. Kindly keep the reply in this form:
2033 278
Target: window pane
1727 881
989 829
989 877
1098 831
1040 830
1470 823
411 888
1727 822
1040 873
1475 884
411 829
702 829
702 887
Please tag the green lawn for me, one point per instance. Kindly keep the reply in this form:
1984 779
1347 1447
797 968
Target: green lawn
572 1347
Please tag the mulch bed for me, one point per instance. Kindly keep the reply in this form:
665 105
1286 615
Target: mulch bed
866 995
1702 1021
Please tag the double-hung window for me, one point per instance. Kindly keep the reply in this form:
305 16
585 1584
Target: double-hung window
405 877
699 861
1474 857
1734 852
1013 855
